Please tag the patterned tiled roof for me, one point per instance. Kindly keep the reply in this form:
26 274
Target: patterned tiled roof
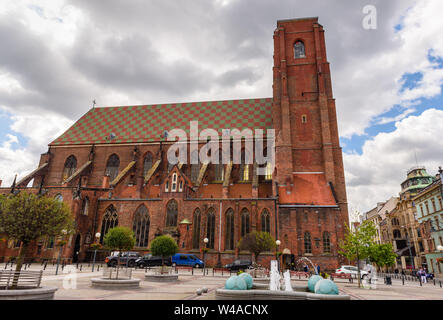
136 124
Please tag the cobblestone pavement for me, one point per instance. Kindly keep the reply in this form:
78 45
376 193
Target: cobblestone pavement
186 287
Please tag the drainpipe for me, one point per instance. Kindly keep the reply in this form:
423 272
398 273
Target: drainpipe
275 211
219 235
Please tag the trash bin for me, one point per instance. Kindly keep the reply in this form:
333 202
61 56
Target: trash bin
388 281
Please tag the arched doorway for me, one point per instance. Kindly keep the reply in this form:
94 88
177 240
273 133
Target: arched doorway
76 249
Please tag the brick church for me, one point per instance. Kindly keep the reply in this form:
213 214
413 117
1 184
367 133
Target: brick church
111 169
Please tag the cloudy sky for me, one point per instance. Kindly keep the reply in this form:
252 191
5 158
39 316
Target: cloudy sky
56 56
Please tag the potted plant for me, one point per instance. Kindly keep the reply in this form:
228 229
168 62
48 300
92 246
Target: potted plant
119 239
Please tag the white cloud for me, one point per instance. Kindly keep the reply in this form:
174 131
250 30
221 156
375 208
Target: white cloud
377 173
39 131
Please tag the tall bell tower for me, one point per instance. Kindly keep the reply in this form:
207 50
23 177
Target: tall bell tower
304 113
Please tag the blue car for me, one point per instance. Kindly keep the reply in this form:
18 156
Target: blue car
189 260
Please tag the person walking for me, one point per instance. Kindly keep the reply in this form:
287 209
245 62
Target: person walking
318 269
422 275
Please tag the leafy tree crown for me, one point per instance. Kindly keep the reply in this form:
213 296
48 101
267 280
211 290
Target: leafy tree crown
119 238
164 246
27 217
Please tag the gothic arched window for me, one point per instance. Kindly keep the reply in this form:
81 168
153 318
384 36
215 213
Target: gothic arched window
141 227
110 220
326 242
245 222
112 167
265 221
219 169
147 163
307 242
70 167
229 235
210 230
59 197
299 50
195 168
85 206
171 213
244 167
196 229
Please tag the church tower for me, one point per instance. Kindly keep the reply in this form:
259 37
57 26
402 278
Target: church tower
304 108
309 177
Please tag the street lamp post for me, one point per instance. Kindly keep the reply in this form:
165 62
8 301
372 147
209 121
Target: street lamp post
64 232
205 240
97 236
278 243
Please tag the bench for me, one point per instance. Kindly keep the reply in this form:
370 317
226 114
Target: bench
177 268
342 276
222 270
26 279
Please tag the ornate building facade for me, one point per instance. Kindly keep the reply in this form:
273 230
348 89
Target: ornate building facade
430 218
111 168
397 223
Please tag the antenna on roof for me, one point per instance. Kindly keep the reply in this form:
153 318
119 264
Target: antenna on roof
416 162
93 104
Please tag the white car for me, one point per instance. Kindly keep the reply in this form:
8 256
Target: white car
352 270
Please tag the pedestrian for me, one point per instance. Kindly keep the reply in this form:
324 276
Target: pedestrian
422 275
318 269
306 268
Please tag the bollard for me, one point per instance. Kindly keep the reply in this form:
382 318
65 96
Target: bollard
434 281
192 271
420 282
81 266
440 284
403 280
98 268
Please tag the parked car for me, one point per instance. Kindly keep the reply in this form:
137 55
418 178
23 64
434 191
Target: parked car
352 270
239 265
148 260
190 260
129 257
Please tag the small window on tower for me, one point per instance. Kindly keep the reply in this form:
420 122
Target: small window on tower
167 186
299 50
304 119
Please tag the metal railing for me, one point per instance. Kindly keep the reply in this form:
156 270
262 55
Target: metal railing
111 273
24 279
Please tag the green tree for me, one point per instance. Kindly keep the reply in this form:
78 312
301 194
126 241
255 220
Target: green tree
257 242
28 217
163 246
382 255
119 239
357 243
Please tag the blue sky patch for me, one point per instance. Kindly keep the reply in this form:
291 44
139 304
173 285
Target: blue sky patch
411 80
5 128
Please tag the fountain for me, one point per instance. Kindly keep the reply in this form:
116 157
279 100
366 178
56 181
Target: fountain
288 286
304 259
236 289
274 284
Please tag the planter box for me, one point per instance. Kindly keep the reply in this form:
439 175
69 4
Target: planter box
161 277
43 293
111 284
